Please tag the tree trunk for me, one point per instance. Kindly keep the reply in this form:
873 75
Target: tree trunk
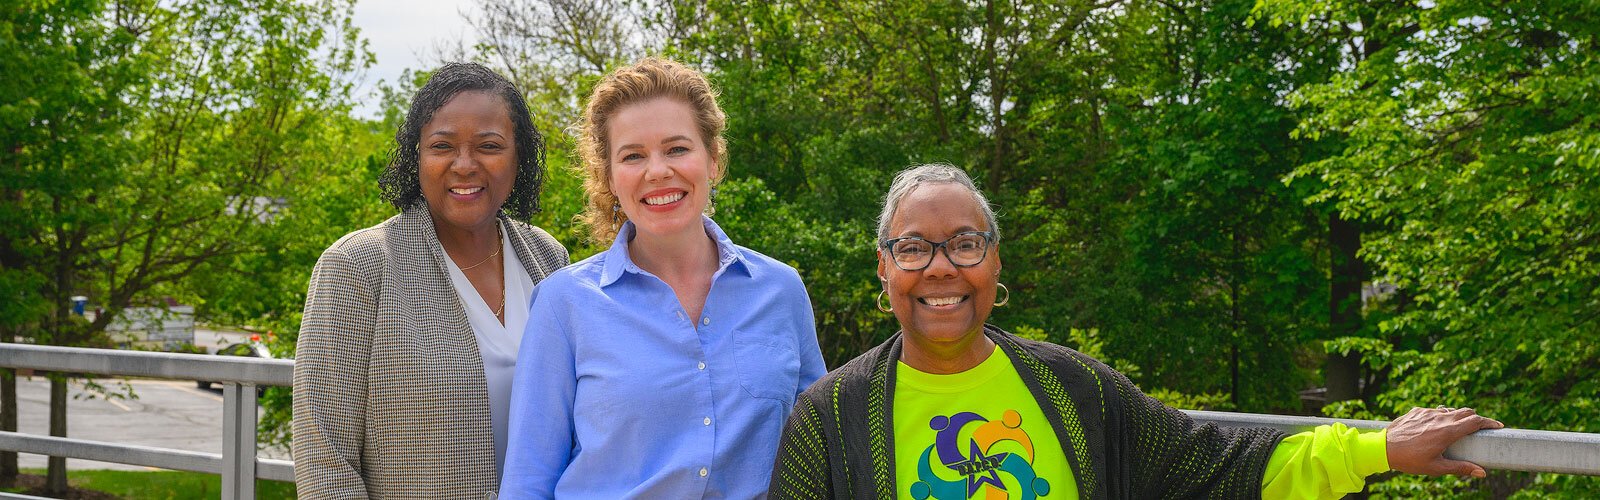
61 334
56 477
1233 354
10 258
8 414
1343 371
1236 267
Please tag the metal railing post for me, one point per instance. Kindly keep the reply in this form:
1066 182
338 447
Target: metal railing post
239 441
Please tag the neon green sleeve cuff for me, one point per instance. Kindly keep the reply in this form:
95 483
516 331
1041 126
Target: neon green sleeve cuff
1326 462
1371 451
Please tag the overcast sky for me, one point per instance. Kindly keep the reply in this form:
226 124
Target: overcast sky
401 34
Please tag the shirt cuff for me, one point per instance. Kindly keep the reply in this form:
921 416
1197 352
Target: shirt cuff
1371 453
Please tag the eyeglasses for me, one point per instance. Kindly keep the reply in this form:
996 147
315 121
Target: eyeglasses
915 254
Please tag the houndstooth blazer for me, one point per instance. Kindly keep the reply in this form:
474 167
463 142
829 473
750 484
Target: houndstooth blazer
389 395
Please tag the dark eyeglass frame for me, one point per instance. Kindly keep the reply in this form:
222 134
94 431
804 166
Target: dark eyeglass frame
888 246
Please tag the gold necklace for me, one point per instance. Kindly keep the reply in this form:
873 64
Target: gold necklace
496 253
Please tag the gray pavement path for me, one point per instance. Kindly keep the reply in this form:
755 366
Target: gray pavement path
167 414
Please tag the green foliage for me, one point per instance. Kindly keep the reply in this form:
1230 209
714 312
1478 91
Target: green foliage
42 159
833 256
199 150
155 141
1469 144
562 201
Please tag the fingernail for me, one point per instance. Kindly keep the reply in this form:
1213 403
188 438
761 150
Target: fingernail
1478 473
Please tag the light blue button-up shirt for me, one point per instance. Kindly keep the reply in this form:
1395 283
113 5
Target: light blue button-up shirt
619 394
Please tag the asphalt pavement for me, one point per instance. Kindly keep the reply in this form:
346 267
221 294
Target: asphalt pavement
166 413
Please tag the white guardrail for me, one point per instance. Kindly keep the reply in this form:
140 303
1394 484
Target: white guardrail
238 376
1505 449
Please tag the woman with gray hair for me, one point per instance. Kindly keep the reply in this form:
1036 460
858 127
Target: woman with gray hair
954 408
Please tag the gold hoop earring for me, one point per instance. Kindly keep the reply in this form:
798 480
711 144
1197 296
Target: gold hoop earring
1008 295
881 307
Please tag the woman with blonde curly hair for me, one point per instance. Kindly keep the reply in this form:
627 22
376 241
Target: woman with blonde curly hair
665 366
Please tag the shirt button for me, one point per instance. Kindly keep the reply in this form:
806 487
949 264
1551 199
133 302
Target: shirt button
702 365
703 472
705 322
707 420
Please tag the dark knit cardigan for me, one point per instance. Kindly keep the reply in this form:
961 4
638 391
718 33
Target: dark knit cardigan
839 440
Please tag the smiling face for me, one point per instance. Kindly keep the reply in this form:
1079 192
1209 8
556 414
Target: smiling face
660 166
468 160
942 306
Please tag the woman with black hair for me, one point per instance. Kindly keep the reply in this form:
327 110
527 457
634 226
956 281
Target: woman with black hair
410 333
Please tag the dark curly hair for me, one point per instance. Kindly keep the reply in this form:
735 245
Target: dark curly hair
399 181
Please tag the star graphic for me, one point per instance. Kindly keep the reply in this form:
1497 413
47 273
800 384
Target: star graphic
977 478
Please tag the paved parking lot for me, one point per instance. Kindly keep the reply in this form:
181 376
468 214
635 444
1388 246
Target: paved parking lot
167 413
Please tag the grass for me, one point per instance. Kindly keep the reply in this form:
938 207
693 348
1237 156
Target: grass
163 484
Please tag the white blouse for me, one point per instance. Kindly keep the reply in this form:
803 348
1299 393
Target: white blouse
497 343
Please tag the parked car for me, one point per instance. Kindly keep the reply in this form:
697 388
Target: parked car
252 349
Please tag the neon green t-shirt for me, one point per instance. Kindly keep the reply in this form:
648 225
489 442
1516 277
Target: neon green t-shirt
975 434
980 434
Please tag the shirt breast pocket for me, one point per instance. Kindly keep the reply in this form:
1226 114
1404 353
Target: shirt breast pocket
768 365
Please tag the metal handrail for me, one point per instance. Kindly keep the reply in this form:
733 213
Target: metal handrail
1506 449
237 464
167 365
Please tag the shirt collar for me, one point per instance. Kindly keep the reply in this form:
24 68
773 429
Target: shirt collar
618 261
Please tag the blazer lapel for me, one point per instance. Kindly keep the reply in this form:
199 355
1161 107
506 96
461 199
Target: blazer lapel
424 275
522 244
417 231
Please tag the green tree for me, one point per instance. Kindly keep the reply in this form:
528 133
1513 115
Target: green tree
154 138
1470 148
79 68
1209 256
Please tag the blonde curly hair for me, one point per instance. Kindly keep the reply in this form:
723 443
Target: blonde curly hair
641 81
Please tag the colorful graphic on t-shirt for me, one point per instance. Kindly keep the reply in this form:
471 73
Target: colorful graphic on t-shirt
978 460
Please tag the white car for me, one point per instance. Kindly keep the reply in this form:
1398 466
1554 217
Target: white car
253 349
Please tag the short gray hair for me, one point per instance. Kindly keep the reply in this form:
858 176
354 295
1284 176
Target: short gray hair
931 173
